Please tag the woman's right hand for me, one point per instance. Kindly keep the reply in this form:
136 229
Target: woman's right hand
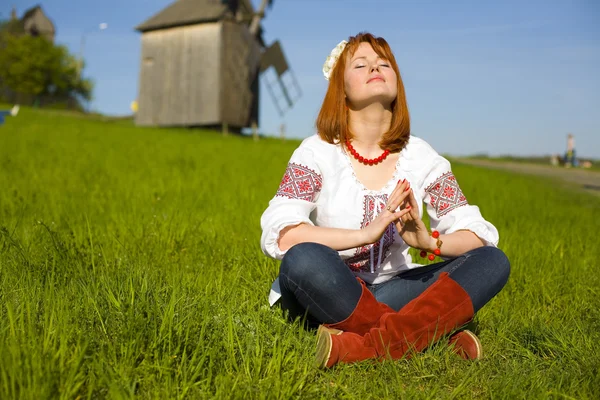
373 232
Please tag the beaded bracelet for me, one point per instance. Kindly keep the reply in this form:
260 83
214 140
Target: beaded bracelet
438 244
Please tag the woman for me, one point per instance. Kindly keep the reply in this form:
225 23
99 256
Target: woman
349 208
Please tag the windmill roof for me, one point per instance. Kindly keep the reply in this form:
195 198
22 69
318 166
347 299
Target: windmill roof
187 12
29 13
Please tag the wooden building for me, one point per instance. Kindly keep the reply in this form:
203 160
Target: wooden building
200 66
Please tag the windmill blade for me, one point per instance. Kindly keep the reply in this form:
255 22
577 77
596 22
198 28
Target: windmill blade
273 56
254 25
284 87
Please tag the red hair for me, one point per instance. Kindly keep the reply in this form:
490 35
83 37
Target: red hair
332 122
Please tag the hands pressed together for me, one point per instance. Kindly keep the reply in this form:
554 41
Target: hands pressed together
402 210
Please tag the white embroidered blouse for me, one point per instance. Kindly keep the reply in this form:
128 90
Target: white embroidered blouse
319 188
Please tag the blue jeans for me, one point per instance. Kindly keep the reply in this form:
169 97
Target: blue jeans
316 283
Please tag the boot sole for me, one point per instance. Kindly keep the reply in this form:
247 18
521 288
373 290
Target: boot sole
472 339
477 344
323 346
332 331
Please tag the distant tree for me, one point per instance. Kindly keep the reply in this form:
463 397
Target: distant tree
8 27
11 26
35 66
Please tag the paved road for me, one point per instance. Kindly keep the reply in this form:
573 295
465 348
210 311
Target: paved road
587 180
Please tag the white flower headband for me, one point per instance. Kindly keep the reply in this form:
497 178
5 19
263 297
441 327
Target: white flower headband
332 58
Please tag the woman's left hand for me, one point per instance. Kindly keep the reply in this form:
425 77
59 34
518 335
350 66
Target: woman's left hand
412 229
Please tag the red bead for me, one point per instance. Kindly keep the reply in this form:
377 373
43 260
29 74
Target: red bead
423 253
435 234
437 252
431 257
366 161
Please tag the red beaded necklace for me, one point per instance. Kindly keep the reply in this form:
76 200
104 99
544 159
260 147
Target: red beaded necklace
366 161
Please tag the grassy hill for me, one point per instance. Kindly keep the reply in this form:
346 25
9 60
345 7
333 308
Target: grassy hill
541 160
130 267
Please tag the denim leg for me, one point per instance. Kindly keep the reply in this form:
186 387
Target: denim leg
314 279
482 272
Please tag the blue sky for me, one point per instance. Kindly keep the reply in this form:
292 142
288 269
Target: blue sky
498 77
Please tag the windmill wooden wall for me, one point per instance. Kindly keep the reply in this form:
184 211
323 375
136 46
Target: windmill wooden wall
178 68
240 58
199 75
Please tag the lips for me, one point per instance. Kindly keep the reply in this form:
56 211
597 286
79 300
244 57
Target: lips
376 78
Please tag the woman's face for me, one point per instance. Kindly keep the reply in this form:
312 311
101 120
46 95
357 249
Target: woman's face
369 78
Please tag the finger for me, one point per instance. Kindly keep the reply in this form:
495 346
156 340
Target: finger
406 218
400 187
412 215
399 214
398 197
404 203
407 201
400 226
402 182
412 201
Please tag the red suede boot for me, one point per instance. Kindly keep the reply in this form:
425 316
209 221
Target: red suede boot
365 316
439 310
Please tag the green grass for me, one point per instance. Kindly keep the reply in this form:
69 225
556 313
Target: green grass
130 267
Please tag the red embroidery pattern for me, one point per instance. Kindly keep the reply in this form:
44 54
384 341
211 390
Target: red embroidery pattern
300 183
361 260
445 194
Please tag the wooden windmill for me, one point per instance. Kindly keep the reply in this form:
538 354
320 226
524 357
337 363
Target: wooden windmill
201 62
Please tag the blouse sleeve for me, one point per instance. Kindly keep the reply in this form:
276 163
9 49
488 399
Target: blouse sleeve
294 201
448 208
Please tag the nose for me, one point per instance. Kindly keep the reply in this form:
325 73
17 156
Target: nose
375 68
